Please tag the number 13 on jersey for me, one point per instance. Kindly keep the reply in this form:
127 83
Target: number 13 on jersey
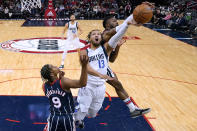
101 63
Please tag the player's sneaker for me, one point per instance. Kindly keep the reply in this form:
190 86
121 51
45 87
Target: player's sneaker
139 112
61 67
79 124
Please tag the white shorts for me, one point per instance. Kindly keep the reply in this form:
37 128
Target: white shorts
110 72
91 97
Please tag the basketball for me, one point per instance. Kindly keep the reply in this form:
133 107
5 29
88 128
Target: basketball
142 13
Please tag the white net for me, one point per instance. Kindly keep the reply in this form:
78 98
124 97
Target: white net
29 4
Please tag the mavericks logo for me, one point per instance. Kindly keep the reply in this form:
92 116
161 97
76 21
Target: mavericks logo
41 45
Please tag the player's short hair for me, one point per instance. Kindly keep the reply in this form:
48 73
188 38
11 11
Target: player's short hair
106 20
45 73
89 34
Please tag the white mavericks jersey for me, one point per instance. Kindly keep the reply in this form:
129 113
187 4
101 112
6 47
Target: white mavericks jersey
72 29
98 60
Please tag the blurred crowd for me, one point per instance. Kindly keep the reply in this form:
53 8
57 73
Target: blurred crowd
10 9
83 9
174 14
178 15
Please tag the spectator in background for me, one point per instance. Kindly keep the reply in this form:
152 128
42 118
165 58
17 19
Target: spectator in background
11 9
95 10
192 26
165 21
121 13
115 5
113 12
180 23
61 10
6 12
103 12
1 8
128 9
74 3
175 17
99 11
57 10
1 11
18 5
157 16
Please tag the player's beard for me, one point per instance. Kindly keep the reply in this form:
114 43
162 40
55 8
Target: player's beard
96 44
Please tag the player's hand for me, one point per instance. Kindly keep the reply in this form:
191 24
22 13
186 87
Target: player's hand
133 22
121 42
152 5
129 22
61 74
83 57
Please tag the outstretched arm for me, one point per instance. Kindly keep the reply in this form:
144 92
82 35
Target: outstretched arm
109 46
68 83
109 33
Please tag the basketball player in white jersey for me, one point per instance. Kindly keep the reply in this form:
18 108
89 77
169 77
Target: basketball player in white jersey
72 40
91 97
111 27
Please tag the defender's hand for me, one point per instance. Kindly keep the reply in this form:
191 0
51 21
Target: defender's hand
83 58
152 5
61 74
121 42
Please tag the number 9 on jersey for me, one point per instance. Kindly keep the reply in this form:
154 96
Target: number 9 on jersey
56 102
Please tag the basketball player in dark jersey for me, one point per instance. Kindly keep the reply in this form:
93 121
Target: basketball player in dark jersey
57 90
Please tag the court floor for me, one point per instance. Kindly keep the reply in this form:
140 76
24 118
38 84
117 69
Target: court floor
157 71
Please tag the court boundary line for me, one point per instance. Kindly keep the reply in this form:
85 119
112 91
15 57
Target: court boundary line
130 74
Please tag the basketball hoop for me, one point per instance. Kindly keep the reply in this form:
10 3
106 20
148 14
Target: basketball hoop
29 4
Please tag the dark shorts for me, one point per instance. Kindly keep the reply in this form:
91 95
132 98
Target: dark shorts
60 123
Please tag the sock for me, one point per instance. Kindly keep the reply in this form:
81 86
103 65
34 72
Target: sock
63 57
130 104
